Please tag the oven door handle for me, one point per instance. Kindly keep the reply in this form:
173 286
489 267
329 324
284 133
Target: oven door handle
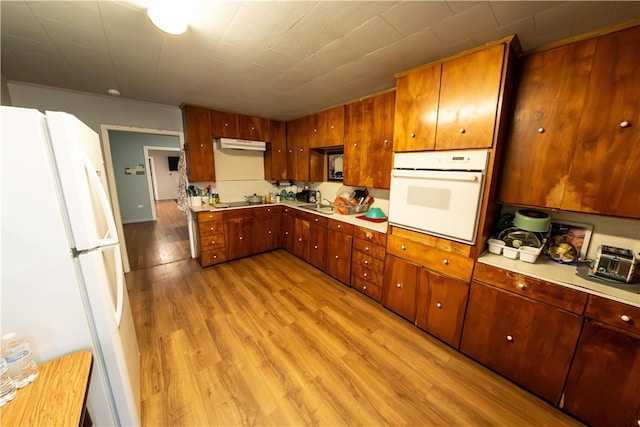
438 175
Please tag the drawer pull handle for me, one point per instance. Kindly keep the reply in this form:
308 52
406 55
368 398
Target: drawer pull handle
316 220
540 130
403 247
509 338
213 242
366 262
211 229
413 135
369 235
367 249
445 261
522 286
215 257
439 305
399 285
624 124
365 275
339 226
462 130
625 318
364 288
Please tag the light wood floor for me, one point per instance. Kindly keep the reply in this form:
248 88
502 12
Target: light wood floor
158 242
270 340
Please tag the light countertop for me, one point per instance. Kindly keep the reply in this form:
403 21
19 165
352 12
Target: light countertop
380 227
566 275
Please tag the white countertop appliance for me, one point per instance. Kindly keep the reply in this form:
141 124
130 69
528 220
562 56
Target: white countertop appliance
438 192
63 285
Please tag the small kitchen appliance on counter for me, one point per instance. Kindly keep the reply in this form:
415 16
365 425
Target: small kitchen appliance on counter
614 263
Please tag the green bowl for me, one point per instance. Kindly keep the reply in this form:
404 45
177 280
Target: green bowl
375 213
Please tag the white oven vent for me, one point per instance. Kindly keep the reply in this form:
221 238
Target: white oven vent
241 144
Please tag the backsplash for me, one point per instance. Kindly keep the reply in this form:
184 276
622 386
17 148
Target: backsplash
619 232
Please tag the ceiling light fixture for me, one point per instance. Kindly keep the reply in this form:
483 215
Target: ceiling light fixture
171 16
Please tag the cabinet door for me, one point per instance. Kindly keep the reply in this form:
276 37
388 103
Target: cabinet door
288 230
253 128
339 255
327 128
357 134
603 388
399 287
441 304
529 342
275 158
199 144
239 237
224 124
604 174
317 246
549 100
469 93
267 232
380 153
416 115
301 238
298 149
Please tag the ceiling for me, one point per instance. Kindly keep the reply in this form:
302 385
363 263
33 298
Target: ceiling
275 59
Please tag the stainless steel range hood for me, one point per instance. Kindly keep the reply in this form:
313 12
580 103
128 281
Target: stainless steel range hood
241 144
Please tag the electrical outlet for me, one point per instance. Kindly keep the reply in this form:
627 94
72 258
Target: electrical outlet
140 206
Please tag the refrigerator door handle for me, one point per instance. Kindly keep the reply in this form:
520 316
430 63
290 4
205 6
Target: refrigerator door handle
104 202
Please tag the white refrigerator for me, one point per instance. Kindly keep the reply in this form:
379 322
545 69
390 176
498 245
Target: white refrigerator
62 283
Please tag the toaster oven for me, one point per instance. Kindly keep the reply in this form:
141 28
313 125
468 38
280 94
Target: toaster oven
614 263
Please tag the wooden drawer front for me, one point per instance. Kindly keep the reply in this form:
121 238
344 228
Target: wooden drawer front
209 216
365 260
565 298
367 288
614 313
212 242
370 235
340 226
440 261
213 257
366 275
266 210
237 213
312 218
209 228
369 248
529 342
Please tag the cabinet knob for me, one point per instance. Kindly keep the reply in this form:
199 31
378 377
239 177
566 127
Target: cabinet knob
226 125
300 239
509 338
201 145
339 226
386 141
336 256
333 127
269 231
366 262
365 275
364 288
315 130
403 247
540 130
625 318
215 257
316 220
399 285
211 229
461 130
278 150
522 286
439 305
315 246
301 150
290 150
625 124
445 261
367 249
213 242
413 135
240 237
369 235
253 128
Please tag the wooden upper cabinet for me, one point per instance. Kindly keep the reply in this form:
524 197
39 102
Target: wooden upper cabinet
416 110
224 124
542 143
199 144
604 175
298 157
469 95
253 128
326 128
368 141
275 158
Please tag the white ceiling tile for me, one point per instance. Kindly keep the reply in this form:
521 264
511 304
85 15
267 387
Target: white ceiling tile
474 20
625 10
510 11
127 18
234 55
414 16
185 49
68 12
118 38
461 6
553 21
79 35
17 19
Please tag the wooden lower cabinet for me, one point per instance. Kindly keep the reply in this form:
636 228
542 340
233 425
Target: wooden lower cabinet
441 305
211 238
367 262
239 232
339 240
400 286
287 227
267 236
529 342
317 246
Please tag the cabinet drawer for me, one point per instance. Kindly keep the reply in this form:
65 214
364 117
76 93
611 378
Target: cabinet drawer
365 260
209 216
366 275
369 248
367 288
312 218
237 213
213 257
614 313
447 263
341 226
209 228
266 210
565 298
212 242
370 235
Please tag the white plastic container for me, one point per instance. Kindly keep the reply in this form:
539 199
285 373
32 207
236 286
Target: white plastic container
7 387
17 353
510 252
495 246
529 254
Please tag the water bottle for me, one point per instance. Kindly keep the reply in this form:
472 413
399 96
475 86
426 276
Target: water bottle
7 387
17 353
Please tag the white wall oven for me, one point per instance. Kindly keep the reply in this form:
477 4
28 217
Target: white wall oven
438 192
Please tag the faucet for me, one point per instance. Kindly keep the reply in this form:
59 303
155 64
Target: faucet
328 201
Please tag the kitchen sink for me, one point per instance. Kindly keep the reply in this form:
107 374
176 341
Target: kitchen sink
325 209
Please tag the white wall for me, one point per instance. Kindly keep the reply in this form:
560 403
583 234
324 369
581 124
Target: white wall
96 110
166 180
4 91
